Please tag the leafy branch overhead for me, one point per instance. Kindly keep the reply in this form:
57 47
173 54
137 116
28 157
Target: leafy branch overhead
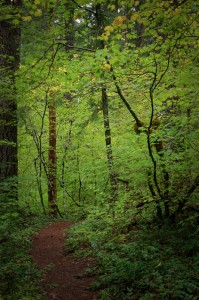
140 59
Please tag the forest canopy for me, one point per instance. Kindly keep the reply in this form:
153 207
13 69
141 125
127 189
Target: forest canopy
107 103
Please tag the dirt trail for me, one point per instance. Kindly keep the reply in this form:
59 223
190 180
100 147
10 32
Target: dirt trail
64 276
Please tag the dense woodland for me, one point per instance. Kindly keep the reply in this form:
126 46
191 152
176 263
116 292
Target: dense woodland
99 123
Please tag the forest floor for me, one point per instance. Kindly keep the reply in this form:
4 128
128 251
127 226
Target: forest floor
64 275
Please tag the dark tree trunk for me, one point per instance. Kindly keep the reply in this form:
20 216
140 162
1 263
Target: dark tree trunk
52 170
9 61
52 159
112 175
105 109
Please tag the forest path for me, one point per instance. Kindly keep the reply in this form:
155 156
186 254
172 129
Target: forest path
64 275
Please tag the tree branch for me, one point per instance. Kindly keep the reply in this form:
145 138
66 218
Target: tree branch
119 91
186 198
86 8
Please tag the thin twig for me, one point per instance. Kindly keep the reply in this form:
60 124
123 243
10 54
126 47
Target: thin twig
85 8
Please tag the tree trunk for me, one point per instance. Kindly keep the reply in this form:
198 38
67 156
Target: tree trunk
52 169
9 62
52 159
105 109
112 175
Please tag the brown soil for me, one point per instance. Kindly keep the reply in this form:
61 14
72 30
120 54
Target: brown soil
65 276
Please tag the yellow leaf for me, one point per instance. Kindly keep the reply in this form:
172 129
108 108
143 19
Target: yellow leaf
108 28
119 20
111 7
38 12
134 17
107 67
118 36
27 18
103 37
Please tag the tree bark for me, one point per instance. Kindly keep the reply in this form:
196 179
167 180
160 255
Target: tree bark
52 159
52 169
105 109
9 62
112 175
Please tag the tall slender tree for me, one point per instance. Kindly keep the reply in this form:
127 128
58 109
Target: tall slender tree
105 109
52 159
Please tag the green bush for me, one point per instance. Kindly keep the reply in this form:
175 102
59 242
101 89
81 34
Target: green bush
147 262
18 276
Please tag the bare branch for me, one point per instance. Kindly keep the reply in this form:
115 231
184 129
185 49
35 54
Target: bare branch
119 92
74 47
85 8
168 61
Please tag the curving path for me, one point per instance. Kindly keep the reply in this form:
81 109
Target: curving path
64 276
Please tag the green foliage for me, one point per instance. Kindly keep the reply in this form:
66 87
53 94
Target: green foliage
76 77
151 268
18 276
93 232
147 262
149 50
141 45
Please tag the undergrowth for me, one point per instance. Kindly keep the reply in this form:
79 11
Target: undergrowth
18 276
144 262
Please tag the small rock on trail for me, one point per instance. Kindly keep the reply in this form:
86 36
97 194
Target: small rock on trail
64 276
